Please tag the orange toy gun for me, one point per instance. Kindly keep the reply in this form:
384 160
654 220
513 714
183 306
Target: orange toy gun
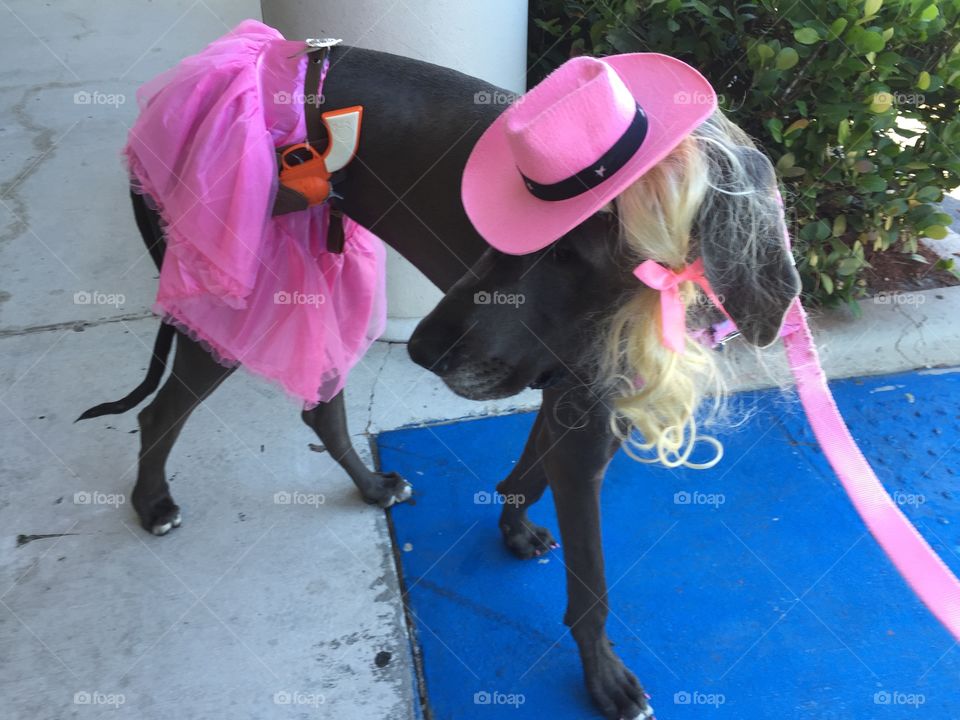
305 173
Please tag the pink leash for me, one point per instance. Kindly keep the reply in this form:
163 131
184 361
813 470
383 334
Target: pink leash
920 566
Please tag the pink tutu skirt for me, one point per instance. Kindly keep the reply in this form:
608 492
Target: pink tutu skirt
255 290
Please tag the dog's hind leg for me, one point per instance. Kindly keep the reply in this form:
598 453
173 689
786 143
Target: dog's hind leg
525 485
575 455
329 421
194 376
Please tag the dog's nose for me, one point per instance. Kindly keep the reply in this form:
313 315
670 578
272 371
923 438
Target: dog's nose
429 354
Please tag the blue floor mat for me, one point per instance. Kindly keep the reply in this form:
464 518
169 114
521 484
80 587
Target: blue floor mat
747 591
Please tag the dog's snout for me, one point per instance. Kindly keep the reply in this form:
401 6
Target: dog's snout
431 355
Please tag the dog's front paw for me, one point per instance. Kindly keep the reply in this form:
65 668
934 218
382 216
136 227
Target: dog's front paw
385 489
615 689
526 540
160 516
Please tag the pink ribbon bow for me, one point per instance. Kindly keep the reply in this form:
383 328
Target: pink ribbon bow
673 314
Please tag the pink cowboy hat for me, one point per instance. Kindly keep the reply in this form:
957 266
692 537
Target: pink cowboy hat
575 142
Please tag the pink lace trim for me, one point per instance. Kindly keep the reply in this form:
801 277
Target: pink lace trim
224 359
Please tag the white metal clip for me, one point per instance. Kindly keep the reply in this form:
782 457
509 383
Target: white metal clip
317 44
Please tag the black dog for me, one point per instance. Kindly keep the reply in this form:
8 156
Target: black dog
420 124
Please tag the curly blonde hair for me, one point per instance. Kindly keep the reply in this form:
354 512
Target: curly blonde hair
663 397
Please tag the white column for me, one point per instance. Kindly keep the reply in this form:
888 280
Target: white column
485 39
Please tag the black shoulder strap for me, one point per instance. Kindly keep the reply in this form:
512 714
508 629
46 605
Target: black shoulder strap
290 200
311 92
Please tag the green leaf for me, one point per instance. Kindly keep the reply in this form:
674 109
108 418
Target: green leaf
786 160
703 8
821 230
775 126
923 80
806 36
935 232
896 207
889 59
872 183
839 225
881 102
949 265
787 58
870 41
838 26
765 52
928 194
843 131
848 266
796 125
930 12
871 7
827 283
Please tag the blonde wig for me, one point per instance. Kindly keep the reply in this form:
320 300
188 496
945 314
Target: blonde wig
702 190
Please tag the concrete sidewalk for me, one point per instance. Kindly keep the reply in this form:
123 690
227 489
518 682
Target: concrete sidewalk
256 607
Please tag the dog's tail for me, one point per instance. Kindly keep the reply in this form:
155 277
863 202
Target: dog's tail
158 364
148 222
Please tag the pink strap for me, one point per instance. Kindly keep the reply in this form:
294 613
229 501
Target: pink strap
916 561
920 566
673 313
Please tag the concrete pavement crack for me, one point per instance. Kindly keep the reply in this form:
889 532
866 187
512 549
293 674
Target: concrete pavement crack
78 325
43 142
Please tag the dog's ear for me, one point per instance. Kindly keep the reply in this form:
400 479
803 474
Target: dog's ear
743 243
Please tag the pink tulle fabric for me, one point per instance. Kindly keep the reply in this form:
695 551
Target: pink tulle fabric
255 290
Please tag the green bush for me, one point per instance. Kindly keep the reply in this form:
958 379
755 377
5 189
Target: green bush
856 102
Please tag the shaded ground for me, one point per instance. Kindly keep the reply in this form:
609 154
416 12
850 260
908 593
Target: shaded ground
899 272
